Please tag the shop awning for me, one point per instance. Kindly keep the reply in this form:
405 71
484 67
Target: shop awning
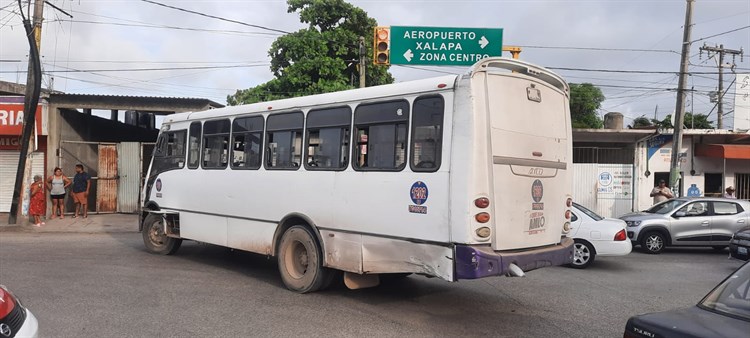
727 151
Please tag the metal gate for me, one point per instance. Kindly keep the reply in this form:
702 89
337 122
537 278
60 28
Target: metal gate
8 168
129 187
606 189
115 170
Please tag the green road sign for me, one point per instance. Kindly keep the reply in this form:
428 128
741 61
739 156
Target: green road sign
444 46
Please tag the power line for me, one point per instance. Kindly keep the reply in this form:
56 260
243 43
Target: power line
623 71
215 17
170 27
604 49
727 32
142 69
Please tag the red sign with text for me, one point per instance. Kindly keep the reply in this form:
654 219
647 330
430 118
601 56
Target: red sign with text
11 119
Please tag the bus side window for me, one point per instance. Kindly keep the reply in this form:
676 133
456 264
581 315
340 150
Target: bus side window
247 137
216 144
380 136
328 138
194 145
284 140
427 133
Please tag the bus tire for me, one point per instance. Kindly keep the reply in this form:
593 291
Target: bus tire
301 262
154 238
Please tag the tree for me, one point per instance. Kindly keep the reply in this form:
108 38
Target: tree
641 122
320 58
585 100
697 121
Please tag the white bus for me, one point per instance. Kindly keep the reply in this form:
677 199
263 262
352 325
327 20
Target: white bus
456 177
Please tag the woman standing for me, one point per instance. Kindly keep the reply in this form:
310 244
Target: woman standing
38 202
57 183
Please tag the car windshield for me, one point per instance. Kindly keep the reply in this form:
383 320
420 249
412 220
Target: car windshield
588 212
732 296
665 207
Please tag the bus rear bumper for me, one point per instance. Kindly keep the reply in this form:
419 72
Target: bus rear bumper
474 262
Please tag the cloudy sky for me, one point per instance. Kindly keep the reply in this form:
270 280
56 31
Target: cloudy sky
630 48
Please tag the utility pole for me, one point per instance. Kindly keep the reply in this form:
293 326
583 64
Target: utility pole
674 173
362 61
720 50
33 88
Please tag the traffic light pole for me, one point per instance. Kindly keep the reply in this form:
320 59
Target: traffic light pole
362 62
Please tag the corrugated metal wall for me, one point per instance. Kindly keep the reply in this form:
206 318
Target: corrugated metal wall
106 192
128 191
606 189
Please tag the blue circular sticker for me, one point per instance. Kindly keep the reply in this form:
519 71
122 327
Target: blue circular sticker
537 191
419 193
158 184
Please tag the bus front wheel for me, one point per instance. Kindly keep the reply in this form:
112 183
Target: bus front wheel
155 239
301 262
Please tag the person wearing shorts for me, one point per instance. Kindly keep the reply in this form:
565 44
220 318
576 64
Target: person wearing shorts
80 190
57 183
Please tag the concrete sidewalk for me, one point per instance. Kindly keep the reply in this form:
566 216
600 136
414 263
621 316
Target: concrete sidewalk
101 223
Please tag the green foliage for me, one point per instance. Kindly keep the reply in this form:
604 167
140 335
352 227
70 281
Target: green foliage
697 121
320 58
585 100
641 122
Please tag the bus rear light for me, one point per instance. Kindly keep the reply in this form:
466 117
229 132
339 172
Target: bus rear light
566 227
620 236
567 214
569 202
482 217
442 85
484 232
482 202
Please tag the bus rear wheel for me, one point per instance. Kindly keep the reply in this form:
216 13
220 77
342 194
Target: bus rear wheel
155 239
301 262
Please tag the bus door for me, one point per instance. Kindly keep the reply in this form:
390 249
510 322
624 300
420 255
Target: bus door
530 145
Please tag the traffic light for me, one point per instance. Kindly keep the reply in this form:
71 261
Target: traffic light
382 46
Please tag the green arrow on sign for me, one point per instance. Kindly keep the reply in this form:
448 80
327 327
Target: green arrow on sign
444 46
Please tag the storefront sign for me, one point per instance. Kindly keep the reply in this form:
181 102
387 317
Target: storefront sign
10 142
11 117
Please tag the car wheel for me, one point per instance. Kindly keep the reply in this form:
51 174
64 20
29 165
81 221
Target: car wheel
653 242
301 262
155 239
583 254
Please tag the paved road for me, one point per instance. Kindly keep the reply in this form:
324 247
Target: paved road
106 285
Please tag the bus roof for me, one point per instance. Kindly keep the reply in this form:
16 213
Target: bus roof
406 88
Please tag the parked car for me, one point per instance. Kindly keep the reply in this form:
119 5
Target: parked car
700 221
724 312
15 319
739 246
595 235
